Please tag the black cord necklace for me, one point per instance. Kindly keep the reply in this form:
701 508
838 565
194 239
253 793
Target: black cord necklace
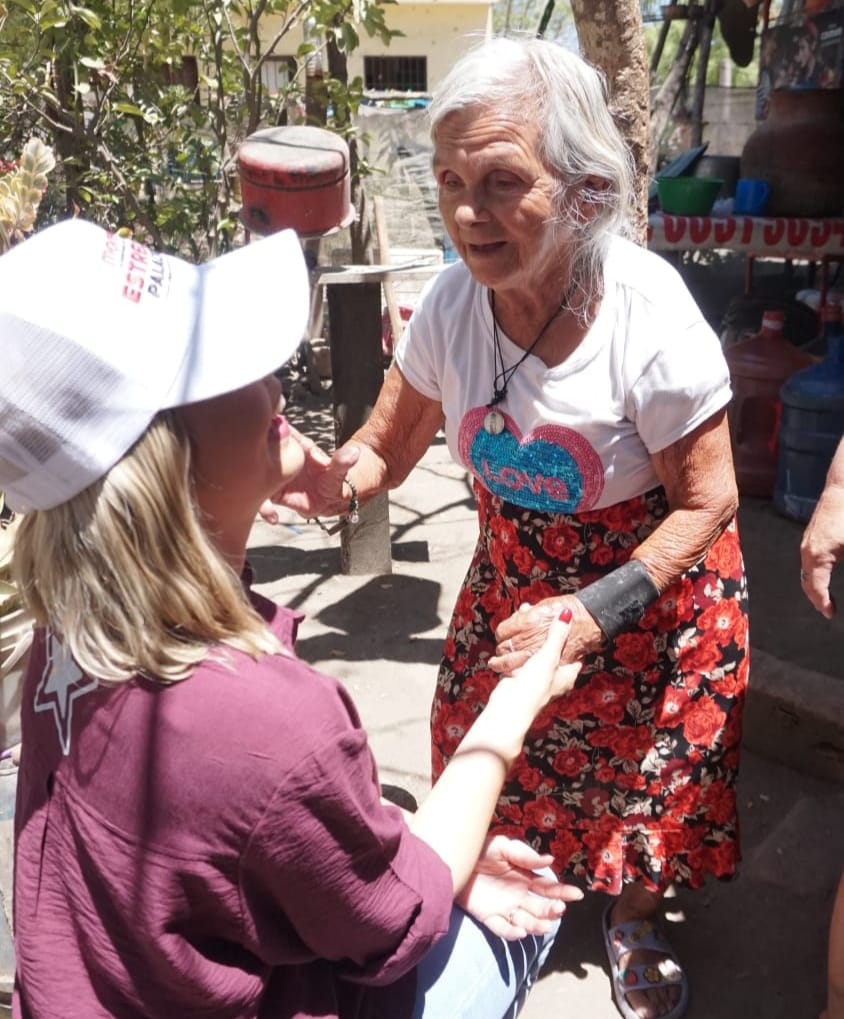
494 420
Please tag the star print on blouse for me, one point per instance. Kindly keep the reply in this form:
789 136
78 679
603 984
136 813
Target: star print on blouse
553 468
62 681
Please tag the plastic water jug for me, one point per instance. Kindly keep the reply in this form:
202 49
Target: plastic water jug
759 365
812 423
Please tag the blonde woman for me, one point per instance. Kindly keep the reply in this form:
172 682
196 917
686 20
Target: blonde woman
199 824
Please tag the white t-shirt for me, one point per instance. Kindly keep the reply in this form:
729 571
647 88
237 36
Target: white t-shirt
578 435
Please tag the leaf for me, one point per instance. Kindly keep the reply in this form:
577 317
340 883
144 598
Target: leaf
91 19
47 22
129 108
351 40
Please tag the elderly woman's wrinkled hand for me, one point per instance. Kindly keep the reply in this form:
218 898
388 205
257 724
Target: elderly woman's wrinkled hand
525 631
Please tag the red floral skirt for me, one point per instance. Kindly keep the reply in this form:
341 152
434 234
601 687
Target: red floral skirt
630 776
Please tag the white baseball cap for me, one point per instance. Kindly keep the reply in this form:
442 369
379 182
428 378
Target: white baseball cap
98 333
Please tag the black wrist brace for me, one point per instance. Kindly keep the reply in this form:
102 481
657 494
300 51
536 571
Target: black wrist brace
618 601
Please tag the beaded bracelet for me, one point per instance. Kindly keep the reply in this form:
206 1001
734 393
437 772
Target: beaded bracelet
351 516
353 512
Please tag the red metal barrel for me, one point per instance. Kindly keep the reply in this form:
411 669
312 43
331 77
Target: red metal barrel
294 178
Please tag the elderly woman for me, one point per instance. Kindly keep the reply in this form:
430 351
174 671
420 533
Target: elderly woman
579 383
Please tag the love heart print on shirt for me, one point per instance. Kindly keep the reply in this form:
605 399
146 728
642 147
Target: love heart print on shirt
552 469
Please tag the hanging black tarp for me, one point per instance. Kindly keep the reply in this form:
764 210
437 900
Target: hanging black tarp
738 28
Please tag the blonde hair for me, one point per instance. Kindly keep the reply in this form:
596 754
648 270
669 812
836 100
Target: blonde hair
126 575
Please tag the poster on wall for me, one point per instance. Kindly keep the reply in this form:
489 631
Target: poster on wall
803 54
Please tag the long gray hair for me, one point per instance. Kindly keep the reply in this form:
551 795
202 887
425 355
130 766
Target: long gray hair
579 143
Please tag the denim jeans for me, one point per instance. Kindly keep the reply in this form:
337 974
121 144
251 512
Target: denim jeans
473 974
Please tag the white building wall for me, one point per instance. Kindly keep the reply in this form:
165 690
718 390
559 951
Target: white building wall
440 31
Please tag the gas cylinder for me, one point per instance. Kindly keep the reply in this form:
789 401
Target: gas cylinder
759 365
812 422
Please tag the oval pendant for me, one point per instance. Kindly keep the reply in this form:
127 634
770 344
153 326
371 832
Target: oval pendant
494 423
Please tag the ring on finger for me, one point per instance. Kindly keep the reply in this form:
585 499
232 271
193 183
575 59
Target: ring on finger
511 918
510 647
804 575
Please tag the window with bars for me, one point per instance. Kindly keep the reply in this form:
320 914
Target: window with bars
401 74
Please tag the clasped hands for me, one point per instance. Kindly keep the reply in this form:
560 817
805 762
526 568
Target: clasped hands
507 895
523 633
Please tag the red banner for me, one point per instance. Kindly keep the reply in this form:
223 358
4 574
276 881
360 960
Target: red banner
786 237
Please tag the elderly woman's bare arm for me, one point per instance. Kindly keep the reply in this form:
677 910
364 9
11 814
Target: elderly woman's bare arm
699 480
396 435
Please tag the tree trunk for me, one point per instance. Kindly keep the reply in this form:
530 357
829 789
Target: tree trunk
612 38
360 231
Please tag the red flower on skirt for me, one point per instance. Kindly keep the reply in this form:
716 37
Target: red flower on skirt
561 543
635 651
563 844
545 813
719 800
527 777
630 780
725 558
674 706
703 722
630 742
570 761
603 555
725 619
455 728
699 656
675 607
708 589
605 696
595 801
524 561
